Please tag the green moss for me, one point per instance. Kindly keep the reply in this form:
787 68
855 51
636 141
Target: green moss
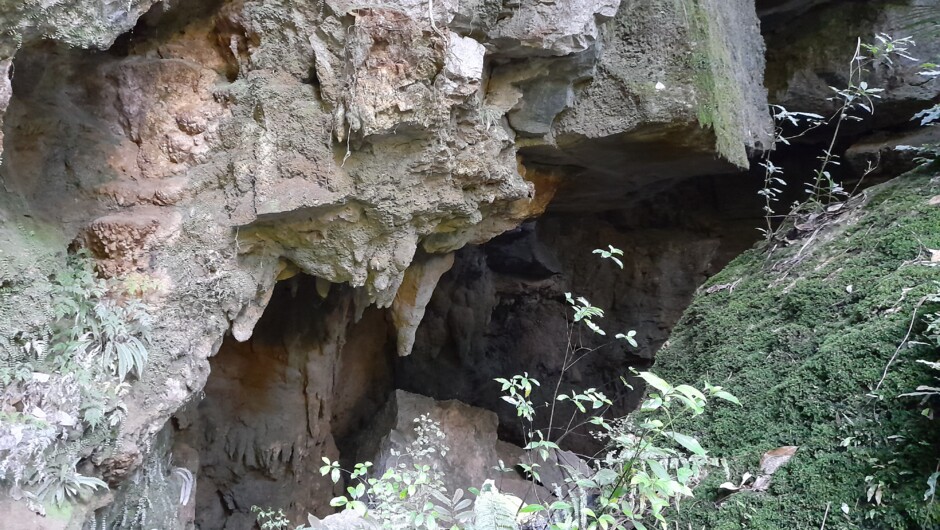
803 340
719 95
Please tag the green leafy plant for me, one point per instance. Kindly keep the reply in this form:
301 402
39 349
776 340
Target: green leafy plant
271 519
930 152
70 386
64 483
927 392
410 493
91 324
855 102
644 467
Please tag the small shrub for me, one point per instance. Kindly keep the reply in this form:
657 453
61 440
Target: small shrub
271 519
645 468
855 103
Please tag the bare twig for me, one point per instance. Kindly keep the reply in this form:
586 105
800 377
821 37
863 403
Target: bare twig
901 345
825 516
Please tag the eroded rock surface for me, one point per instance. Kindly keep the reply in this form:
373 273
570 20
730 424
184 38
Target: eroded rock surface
213 149
805 60
275 405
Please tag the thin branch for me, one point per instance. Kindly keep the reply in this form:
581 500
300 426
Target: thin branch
894 357
825 516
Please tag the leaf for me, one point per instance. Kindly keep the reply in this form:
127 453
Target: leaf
338 501
721 394
923 391
686 441
656 382
658 470
691 392
652 404
360 508
606 477
931 486
532 508
772 460
594 327
629 337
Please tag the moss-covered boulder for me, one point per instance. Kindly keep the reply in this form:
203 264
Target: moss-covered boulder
811 337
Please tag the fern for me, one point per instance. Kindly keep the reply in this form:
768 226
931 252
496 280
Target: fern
494 510
452 511
65 484
92 324
72 379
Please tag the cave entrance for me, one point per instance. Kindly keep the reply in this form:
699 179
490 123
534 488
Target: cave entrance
314 379
310 377
501 310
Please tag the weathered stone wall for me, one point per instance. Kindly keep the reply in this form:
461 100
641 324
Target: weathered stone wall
302 386
218 147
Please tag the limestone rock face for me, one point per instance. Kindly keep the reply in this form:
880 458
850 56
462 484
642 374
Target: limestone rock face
413 297
81 23
276 404
215 148
804 60
678 65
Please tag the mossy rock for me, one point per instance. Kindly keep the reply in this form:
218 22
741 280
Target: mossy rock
802 334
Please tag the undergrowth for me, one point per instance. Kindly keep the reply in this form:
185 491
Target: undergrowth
62 398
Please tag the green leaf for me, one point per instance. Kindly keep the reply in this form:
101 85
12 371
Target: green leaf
532 508
336 502
721 394
655 382
686 441
606 477
691 392
691 404
658 470
360 508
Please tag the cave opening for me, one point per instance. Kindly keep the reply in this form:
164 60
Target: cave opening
309 378
502 310
316 376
